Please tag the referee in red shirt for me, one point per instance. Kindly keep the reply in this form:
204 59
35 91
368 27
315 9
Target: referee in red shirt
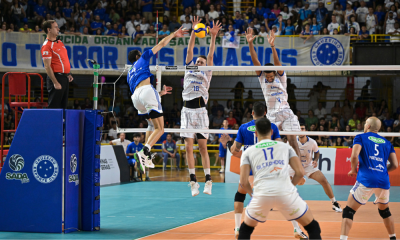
57 65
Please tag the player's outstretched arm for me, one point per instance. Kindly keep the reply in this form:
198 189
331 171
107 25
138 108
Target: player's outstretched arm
271 40
235 149
244 178
166 90
250 38
178 33
393 162
214 32
296 165
354 160
189 55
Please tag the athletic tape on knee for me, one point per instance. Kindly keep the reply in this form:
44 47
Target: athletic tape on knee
348 212
150 126
313 230
385 213
240 197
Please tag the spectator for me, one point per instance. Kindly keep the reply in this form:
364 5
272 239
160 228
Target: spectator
239 22
338 142
239 111
322 139
334 123
133 148
359 128
67 13
348 140
361 110
321 13
60 20
353 122
289 29
198 11
102 105
353 24
275 29
325 31
151 32
96 25
228 108
87 104
315 27
329 5
286 15
114 31
338 12
217 121
187 24
212 13
300 118
247 118
144 26
365 90
391 138
85 31
147 9
25 29
108 28
313 127
382 110
262 32
306 34
238 91
183 17
138 34
121 141
40 12
322 122
38 30
388 121
362 12
305 12
313 5
115 17
322 90
333 139
396 124
276 10
252 14
169 150
394 33
381 18
371 21
220 10
231 119
334 25
371 109
100 11
112 133
216 107
349 12
18 13
260 9
312 119
313 96
173 24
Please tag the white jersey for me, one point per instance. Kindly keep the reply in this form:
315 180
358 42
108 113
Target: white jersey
269 161
196 84
307 151
389 24
370 22
275 93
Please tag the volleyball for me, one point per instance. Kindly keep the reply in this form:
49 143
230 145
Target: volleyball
200 30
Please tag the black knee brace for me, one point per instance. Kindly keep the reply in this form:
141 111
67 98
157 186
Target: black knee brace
313 230
348 212
385 213
245 231
153 114
240 197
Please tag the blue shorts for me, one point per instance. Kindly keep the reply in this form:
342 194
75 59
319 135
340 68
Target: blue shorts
222 151
131 161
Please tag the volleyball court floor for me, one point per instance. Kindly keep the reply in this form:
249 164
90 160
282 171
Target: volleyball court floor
166 210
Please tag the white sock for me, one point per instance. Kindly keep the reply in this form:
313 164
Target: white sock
295 224
392 235
333 199
206 171
343 237
135 174
238 220
148 146
192 171
147 172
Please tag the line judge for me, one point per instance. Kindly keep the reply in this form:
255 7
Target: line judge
57 65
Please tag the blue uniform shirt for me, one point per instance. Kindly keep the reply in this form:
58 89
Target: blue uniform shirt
374 154
169 146
140 70
132 148
247 137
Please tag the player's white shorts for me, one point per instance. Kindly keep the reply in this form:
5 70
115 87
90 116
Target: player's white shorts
292 206
285 118
194 118
362 194
308 170
146 99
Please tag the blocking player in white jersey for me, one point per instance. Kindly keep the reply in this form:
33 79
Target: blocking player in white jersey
270 160
145 98
194 113
273 85
308 147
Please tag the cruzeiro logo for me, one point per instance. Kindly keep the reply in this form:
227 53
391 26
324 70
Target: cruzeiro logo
327 51
45 169
265 144
376 140
16 163
251 128
73 164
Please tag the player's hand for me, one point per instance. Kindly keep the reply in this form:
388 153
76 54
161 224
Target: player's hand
249 35
271 38
70 78
165 90
315 164
216 27
195 20
224 139
180 32
352 173
57 86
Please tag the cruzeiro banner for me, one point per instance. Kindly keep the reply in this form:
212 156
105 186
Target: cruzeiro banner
21 51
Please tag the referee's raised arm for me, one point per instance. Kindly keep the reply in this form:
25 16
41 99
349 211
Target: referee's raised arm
57 65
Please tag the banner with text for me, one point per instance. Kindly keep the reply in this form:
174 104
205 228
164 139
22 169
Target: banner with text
21 51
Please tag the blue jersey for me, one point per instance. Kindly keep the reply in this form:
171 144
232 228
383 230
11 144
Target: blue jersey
140 70
133 148
247 136
373 157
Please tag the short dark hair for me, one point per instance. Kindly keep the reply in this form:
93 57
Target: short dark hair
322 119
263 126
47 24
133 55
259 109
204 57
269 71
303 124
169 134
136 135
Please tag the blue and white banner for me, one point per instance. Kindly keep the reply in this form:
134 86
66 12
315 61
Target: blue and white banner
21 51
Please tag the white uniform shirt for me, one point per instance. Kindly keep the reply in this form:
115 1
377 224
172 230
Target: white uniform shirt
269 161
196 84
113 133
275 93
124 144
307 151
389 24
370 22
361 13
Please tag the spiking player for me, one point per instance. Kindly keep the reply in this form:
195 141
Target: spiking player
308 147
270 161
273 85
194 113
372 152
145 98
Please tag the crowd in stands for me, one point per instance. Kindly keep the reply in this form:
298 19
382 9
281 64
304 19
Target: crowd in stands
133 18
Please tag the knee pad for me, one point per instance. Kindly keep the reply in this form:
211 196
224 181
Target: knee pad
245 231
313 230
150 126
348 213
153 114
385 213
199 136
240 197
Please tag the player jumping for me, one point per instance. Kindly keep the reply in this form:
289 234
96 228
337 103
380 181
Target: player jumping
307 147
270 162
145 98
194 112
372 152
